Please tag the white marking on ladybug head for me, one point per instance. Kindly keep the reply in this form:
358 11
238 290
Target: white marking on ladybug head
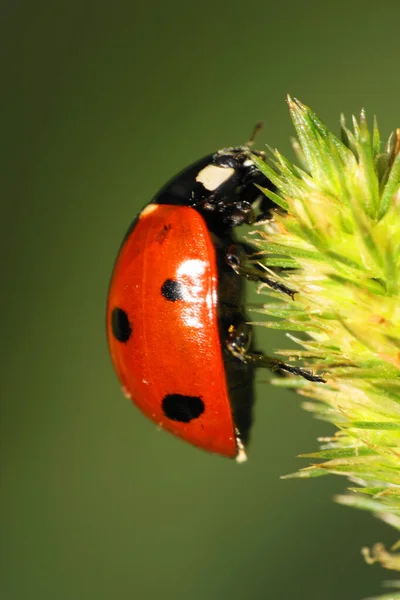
148 210
212 176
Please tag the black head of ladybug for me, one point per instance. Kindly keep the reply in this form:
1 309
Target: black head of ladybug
221 186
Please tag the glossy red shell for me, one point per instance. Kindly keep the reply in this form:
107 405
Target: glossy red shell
175 346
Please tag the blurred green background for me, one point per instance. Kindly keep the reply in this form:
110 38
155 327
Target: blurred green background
101 103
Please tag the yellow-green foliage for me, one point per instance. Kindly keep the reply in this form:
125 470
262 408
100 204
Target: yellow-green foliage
339 239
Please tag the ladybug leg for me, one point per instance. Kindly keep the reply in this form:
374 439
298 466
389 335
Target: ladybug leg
266 362
233 259
246 249
265 207
238 213
239 333
238 341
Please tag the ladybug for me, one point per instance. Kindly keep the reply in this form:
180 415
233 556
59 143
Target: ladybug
177 332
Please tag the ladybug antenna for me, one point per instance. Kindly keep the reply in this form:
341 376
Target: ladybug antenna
257 127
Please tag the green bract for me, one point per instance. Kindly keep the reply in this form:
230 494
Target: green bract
338 241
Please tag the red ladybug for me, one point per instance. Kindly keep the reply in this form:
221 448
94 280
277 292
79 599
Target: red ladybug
176 328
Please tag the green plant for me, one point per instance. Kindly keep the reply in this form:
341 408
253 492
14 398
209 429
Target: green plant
337 240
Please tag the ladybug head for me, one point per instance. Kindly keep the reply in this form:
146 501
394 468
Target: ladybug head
221 186
226 186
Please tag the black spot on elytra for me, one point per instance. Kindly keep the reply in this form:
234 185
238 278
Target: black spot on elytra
120 325
182 408
172 290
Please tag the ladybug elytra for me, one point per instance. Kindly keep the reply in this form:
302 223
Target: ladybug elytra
177 331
